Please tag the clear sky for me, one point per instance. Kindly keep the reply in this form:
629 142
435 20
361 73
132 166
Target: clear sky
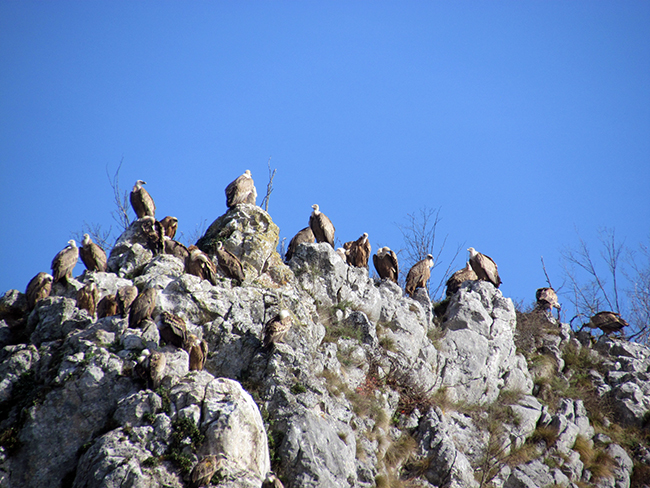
526 123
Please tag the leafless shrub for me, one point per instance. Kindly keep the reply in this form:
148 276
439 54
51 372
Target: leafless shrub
103 238
269 188
193 236
122 204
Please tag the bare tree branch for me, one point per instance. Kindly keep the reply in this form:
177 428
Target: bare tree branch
269 187
121 213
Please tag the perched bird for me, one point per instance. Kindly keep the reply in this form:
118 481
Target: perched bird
546 299
304 236
321 226
87 298
199 264
460 277
125 297
242 190
142 307
152 369
608 322
276 328
93 256
385 262
64 262
418 275
358 252
170 224
39 287
484 267
198 351
173 329
175 248
272 481
141 201
107 306
154 234
204 471
230 264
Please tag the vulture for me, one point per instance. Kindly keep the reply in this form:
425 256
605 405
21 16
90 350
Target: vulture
39 287
154 234
385 262
242 190
460 277
107 306
141 201
608 322
418 275
321 226
177 249
87 298
93 256
173 330
125 297
484 267
199 264
204 471
546 299
142 307
230 264
64 262
170 224
198 351
276 328
304 236
358 252
272 481
152 369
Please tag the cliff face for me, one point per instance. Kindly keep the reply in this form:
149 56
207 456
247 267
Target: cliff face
367 389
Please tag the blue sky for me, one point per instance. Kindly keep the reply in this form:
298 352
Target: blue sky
526 123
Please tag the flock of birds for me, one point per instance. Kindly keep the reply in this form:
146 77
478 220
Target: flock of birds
139 307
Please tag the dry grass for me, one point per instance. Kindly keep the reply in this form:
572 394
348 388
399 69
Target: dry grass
545 434
400 450
602 466
584 447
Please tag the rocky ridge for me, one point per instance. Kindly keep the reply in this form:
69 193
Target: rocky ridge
367 389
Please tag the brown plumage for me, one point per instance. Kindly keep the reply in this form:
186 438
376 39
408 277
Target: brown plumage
607 321
385 262
152 369
546 299
198 351
460 277
170 224
93 256
64 262
177 249
358 252
418 275
125 297
276 328
87 298
141 201
321 226
173 329
272 481
484 267
142 307
39 287
230 264
199 264
204 471
107 306
154 234
242 190
304 236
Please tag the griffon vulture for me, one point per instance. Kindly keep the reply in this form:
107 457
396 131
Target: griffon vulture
93 256
321 226
177 249
64 262
154 233
141 201
87 298
418 275
107 306
152 369
125 297
276 328
142 307
304 236
173 329
198 351
39 287
170 224
484 267
358 252
242 190
460 277
204 471
546 299
230 264
199 264
385 262
608 322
